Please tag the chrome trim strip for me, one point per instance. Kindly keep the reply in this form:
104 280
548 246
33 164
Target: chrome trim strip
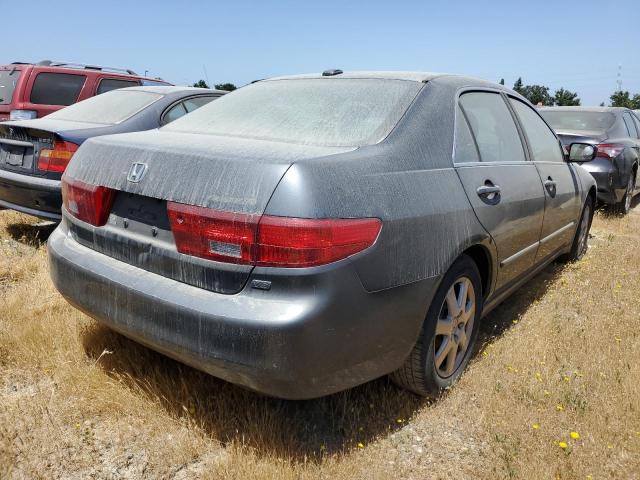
16 143
519 254
557 232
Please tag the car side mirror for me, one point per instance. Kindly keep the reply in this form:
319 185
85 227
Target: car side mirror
582 152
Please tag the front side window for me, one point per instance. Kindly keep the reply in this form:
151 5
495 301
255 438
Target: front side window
56 88
109 108
493 127
542 142
309 111
108 84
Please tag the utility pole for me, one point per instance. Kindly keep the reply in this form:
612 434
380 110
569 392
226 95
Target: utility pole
619 81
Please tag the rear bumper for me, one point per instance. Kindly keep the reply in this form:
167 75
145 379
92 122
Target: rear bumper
315 332
36 196
610 187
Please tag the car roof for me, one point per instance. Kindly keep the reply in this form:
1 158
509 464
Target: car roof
169 89
585 109
390 75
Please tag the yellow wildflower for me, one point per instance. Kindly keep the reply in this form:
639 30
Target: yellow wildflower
560 407
563 445
575 435
360 445
536 426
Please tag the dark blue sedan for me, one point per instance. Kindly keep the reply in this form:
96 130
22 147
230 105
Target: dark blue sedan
35 153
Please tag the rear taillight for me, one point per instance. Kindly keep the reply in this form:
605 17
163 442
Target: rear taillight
268 240
89 203
609 150
57 158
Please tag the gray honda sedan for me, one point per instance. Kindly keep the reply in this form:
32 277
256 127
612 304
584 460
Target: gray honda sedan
306 234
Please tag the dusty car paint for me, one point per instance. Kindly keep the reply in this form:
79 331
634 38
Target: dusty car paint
314 330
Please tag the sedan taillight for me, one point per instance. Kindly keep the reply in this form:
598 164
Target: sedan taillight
268 240
57 158
89 203
609 150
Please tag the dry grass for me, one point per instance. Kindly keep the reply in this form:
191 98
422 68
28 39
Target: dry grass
77 400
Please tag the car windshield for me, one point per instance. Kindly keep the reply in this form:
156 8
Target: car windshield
108 108
324 112
8 81
575 120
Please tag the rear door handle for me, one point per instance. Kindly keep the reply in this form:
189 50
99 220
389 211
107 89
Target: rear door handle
486 190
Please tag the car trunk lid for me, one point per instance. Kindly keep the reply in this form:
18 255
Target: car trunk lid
149 169
581 136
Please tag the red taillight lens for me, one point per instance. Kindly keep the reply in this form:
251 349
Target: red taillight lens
89 203
609 150
223 236
267 240
302 242
57 158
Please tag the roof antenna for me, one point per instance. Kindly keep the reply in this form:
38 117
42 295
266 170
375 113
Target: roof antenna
206 77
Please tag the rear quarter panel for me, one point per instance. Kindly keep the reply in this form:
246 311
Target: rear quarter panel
407 181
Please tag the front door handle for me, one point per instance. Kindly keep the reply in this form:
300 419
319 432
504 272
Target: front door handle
550 185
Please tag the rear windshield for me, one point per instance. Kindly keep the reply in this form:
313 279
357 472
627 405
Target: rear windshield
8 81
327 112
109 108
573 120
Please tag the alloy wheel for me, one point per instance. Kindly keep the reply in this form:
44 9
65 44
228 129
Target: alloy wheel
454 327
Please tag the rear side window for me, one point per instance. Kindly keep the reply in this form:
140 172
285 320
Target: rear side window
196 102
465 146
543 143
631 128
493 127
8 82
108 84
174 113
56 88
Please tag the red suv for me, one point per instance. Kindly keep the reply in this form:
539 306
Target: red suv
35 90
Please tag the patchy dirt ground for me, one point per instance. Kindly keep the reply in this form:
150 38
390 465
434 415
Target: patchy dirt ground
554 391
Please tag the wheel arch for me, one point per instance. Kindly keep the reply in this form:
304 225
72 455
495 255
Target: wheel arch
482 258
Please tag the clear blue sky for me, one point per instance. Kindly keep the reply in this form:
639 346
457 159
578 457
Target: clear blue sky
573 44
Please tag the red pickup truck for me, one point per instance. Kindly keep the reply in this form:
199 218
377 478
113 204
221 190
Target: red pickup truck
35 90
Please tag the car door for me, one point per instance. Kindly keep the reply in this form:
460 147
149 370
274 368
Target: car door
561 185
502 185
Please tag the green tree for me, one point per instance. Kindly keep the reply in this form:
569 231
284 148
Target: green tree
201 84
537 94
229 87
621 99
564 97
518 85
635 102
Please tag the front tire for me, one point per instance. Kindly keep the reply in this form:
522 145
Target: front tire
580 241
448 334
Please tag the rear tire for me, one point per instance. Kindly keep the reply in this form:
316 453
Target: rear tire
580 241
624 205
448 334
